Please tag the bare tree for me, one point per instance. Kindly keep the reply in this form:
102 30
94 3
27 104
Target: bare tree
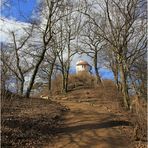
93 45
49 64
119 20
18 64
111 62
68 30
21 71
5 72
48 14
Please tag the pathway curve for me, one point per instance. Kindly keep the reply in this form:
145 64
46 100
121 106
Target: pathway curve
91 126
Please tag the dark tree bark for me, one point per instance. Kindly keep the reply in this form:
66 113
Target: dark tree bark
47 36
34 73
50 74
96 68
123 76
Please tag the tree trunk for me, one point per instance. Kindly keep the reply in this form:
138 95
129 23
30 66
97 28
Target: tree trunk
22 87
17 86
66 80
115 72
124 86
49 81
66 85
3 83
116 80
34 74
50 75
96 70
63 83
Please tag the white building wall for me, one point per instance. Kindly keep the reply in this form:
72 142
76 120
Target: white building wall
80 68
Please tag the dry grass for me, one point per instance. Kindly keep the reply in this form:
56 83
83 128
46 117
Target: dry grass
91 93
75 81
139 118
57 85
23 123
28 122
138 114
85 91
84 79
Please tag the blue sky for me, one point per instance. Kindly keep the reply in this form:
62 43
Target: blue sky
104 73
20 10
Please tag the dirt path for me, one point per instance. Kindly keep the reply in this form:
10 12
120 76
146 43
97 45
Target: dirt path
91 126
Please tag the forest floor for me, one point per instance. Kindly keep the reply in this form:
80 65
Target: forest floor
92 123
28 123
94 118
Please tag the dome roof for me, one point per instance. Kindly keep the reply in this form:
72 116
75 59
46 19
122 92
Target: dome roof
82 63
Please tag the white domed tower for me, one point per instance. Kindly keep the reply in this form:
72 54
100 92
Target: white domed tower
83 66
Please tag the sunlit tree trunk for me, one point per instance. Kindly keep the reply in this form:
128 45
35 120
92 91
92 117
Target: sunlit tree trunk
96 68
123 77
50 74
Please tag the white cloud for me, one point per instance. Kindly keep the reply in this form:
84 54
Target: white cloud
9 25
2 3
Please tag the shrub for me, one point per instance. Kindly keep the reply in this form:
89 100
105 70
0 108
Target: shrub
139 115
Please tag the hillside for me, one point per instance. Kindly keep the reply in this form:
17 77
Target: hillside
74 74
28 122
94 118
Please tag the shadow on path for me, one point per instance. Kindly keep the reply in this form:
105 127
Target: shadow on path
91 126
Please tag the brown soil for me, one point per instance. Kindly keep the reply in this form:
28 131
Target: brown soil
92 122
95 120
28 123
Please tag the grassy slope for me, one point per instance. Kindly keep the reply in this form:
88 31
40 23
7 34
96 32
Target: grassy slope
29 122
